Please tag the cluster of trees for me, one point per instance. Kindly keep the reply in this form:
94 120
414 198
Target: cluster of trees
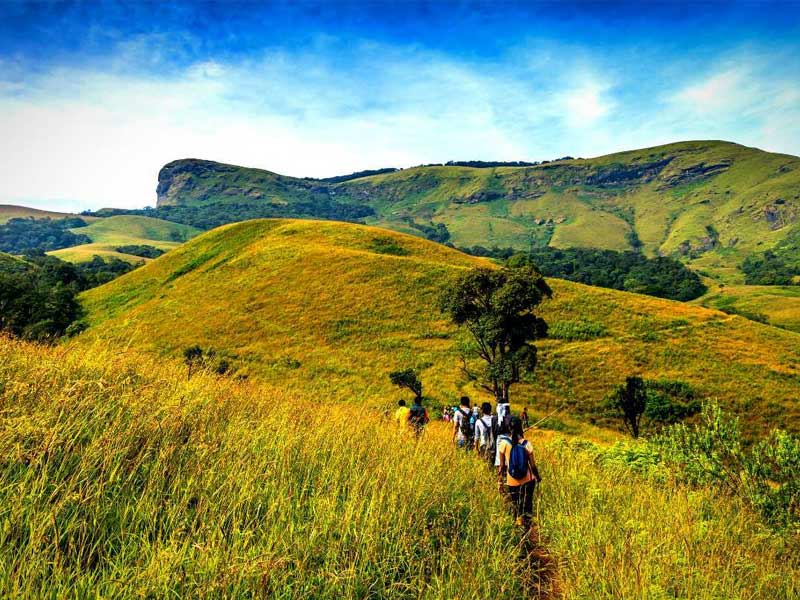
358 175
436 233
768 269
38 295
654 402
142 250
21 235
208 216
663 277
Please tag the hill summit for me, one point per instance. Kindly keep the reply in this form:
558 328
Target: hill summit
329 309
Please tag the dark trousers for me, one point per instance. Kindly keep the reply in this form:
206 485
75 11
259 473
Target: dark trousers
521 497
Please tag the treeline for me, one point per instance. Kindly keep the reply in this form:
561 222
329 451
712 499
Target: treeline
768 269
21 235
662 277
141 250
357 175
209 216
38 294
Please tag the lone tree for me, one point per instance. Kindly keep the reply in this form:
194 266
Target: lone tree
630 401
409 380
498 308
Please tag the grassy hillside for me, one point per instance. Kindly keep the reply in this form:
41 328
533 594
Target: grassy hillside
711 203
777 305
107 234
329 309
11 211
106 490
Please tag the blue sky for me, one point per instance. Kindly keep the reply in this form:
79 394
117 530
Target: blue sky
96 96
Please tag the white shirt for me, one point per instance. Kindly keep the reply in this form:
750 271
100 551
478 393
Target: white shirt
461 415
483 430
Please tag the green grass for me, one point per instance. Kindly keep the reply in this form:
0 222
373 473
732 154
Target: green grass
10 211
777 305
668 208
322 296
109 233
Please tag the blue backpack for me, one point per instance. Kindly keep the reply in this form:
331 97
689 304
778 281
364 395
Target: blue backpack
519 462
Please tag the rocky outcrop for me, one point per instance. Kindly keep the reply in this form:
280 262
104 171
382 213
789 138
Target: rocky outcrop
694 173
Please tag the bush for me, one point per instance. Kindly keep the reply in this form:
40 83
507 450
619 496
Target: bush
576 330
713 452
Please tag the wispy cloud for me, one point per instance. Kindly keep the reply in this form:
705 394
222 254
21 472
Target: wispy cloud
94 133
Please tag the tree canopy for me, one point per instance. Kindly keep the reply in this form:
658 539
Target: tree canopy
498 309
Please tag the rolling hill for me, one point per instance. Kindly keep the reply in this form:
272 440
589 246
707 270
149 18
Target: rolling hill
109 233
711 203
329 309
11 211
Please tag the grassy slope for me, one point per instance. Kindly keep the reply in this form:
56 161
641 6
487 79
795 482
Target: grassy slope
779 304
109 233
314 306
106 490
11 211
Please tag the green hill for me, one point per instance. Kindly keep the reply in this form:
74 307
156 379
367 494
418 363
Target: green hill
711 203
109 233
11 211
329 309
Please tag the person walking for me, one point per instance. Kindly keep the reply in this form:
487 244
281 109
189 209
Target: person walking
418 416
518 469
401 414
462 431
524 417
485 429
504 413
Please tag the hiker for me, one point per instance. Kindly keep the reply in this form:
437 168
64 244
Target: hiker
485 431
503 435
401 414
462 432
504 413
524 418
418 416
518 468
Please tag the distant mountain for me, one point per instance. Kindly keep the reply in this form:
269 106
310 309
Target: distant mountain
711 203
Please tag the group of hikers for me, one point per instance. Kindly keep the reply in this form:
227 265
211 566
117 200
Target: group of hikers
498 438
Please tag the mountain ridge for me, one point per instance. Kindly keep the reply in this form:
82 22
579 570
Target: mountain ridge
710 203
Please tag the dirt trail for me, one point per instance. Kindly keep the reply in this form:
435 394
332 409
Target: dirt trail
542 567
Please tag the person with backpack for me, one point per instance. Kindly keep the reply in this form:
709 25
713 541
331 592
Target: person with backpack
518 469
504 414
418 416
485 430
503 435
463 433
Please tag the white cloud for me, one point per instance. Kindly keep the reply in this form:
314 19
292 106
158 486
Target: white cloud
92 135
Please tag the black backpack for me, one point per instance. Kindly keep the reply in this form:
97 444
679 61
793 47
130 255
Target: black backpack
467 429
416 416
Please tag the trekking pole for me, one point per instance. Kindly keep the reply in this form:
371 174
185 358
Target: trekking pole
540 421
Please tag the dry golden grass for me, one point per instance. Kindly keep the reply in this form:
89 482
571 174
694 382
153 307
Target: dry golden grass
322 309
121 478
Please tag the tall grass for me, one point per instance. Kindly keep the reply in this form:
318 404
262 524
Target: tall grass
120 478
619 535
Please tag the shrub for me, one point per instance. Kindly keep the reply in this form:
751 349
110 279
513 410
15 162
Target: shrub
576 330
